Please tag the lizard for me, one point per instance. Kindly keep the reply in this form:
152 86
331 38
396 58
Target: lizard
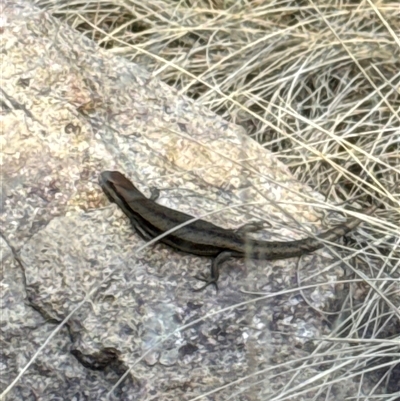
201 237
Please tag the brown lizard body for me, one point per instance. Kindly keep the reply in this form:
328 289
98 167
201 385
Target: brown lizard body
201 237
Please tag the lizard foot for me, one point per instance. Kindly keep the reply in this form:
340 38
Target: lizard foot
208 281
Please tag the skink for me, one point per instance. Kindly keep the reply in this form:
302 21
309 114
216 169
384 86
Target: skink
200 237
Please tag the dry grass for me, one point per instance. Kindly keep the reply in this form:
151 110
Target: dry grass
318 84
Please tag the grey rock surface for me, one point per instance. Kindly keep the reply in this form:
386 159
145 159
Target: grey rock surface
82 308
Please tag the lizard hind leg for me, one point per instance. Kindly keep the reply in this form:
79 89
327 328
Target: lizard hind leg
208 281
251 227
214 276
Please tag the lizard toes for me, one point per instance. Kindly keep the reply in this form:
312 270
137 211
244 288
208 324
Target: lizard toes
208 281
